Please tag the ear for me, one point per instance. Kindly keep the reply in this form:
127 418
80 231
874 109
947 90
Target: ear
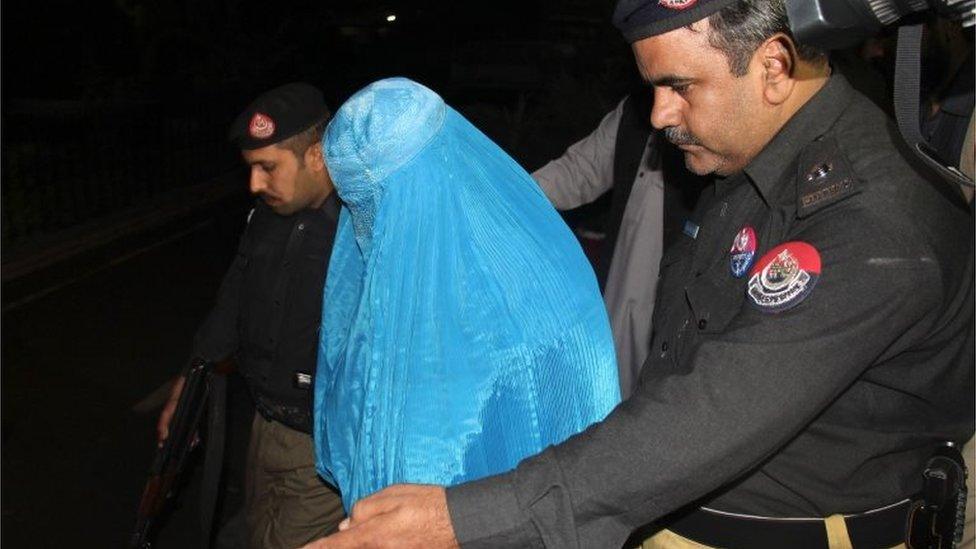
313 157
778 58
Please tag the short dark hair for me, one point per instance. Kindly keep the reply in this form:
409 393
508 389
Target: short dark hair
739 28
301 141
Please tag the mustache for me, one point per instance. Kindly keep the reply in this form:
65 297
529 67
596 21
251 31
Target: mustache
680 137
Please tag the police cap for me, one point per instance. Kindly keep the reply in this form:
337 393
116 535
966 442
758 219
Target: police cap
277 115
640 19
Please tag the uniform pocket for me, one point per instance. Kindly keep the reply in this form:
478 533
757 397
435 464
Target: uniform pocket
676 252
715 298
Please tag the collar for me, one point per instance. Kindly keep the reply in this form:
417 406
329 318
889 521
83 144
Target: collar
813 119
331 206
329 209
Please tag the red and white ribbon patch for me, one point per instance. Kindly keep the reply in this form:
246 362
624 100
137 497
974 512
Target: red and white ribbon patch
677 4
784 277
261 126
743 251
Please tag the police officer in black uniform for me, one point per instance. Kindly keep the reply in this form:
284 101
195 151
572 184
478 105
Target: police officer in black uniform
813 332
268 313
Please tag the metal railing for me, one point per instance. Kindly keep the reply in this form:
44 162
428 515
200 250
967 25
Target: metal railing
68 166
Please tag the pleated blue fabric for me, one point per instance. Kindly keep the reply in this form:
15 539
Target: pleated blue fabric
462 327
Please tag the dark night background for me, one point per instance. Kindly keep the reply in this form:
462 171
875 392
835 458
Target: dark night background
122 201
106 103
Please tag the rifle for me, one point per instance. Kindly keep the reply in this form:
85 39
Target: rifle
170 460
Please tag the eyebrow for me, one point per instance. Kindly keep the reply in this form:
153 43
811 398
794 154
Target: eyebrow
669 80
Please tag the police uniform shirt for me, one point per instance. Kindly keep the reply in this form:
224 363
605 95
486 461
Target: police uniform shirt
269 308
817 384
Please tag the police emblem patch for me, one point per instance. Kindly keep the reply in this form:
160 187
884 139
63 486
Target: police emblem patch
784 277
743 251
261 126
677 4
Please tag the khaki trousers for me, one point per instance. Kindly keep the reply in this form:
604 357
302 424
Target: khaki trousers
837 538
287 503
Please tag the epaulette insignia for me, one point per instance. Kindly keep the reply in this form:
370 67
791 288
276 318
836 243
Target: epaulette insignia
824 177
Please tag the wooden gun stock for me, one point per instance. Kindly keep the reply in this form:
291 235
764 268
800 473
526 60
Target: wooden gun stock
170 460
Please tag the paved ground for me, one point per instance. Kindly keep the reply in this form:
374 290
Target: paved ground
82 344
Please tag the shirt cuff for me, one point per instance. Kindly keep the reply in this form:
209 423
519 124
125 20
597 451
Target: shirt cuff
486 513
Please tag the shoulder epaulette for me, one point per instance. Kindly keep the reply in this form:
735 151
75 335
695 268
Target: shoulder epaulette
824 176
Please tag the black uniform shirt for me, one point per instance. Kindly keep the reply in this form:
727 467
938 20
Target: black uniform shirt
269 307
829 406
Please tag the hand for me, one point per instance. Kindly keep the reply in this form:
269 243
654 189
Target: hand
162 427
405 515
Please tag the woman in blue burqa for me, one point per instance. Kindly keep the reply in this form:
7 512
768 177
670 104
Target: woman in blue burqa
462 327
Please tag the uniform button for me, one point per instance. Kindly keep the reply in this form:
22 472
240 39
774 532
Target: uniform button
301 226
664 347
702 323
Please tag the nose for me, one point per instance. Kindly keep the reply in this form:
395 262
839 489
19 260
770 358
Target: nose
257 182
666 111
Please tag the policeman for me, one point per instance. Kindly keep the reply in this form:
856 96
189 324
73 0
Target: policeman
813 341
268 312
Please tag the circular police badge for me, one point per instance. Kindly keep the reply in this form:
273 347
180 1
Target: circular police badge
743 251
677 4
261 126
784 277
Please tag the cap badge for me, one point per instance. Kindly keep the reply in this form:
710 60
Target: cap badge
677 4
261 126
784 277
743 251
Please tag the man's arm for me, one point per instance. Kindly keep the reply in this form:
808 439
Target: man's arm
585 170
746 392
217 337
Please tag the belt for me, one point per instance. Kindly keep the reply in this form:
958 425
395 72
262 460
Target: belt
294 417
883 527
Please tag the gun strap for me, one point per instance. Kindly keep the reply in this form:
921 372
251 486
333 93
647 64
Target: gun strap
907 99
214 456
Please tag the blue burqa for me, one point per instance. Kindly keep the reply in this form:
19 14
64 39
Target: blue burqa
462 327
